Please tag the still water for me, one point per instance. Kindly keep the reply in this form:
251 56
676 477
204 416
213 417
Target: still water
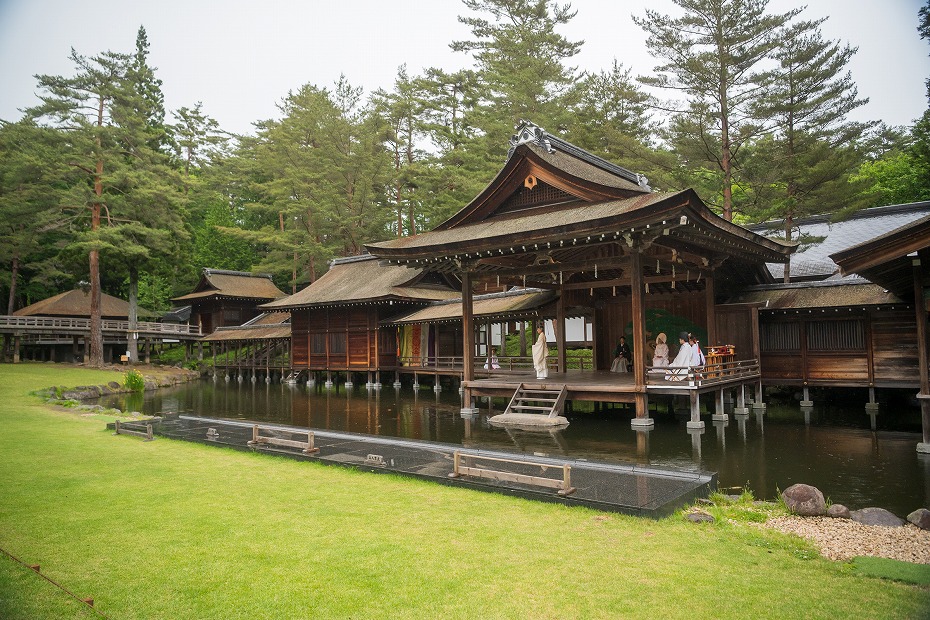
831 447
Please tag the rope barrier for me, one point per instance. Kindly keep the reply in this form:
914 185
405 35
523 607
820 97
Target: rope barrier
89 602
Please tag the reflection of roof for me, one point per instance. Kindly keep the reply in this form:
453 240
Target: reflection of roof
829 294
363 279
267 326
814 262
76 303
221 283
512 304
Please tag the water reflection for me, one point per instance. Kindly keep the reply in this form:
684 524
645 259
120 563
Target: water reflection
770 450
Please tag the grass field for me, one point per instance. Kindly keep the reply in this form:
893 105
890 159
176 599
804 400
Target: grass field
169 529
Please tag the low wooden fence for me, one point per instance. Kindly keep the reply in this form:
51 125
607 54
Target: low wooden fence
258 439
564 485
702 376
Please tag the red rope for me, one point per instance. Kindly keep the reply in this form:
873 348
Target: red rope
35 569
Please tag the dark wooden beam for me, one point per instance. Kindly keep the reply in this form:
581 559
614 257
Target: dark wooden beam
639 333
560 330
468 330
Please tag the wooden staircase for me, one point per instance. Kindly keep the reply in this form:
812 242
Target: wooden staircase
537 401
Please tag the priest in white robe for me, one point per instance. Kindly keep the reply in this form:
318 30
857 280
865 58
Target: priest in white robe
540 352
679 366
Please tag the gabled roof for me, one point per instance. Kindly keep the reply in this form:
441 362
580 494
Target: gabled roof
362 279
511 305
76 303
814 262
234 284
543 171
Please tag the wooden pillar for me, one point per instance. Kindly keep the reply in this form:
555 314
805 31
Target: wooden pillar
15 348
711 310
638 294
560 329
921 315
468 329
148 351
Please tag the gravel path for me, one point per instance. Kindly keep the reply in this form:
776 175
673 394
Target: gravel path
843 539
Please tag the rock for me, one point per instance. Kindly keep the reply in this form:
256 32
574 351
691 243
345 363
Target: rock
838 511
150 385
699 516
920 518
876 516
114 385
804 500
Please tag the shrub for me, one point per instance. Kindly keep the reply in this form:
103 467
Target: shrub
134 381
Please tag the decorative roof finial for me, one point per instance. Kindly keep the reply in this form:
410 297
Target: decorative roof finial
526 132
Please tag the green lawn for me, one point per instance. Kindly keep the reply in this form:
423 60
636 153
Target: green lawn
170 529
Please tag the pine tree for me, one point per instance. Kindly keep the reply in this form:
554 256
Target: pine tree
713 55
814 148
520 63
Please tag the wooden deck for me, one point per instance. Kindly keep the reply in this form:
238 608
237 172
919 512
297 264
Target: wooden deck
610 387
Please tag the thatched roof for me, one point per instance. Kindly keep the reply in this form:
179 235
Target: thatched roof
267 326
76 303
809 295
362 279
233 284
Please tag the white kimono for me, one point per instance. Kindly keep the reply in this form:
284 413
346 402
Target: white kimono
680 363
540 352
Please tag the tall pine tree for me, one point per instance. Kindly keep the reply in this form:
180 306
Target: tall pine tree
713 54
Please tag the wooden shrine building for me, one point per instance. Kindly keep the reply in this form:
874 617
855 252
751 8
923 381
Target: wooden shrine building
227 298
900 261
336 320
559 218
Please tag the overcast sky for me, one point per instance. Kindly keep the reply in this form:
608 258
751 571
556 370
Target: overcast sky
240 58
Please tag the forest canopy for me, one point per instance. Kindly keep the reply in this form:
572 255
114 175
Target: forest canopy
755 120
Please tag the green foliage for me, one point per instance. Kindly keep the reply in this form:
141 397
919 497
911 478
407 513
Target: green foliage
134 381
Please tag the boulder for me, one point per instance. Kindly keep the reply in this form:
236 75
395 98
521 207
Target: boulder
804 500
114 385
838 511
699 516
920 518
876 516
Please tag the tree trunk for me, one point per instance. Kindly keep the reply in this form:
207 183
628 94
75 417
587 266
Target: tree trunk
95 348
11 304
789 224
133 339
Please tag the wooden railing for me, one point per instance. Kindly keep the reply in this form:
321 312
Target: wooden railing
36 323
510 363
697 376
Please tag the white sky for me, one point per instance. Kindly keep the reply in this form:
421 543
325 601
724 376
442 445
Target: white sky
241 58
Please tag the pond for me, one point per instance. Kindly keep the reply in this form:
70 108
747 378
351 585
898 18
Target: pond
831 447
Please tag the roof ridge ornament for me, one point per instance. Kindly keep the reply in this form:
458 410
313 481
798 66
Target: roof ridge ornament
529 132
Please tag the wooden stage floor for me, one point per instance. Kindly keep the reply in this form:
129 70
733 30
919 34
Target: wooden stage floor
599 385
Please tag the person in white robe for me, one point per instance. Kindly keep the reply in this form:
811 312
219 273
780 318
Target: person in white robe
679 365
660 357
540 352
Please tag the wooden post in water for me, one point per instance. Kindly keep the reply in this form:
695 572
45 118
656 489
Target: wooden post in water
638 293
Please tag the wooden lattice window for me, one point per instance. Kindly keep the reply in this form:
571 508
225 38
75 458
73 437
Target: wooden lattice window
337 343
846 335
780 337
318 344
541 194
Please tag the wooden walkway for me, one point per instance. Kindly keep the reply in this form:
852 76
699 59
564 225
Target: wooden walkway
54 326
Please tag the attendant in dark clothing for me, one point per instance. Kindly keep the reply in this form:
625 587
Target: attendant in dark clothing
623 357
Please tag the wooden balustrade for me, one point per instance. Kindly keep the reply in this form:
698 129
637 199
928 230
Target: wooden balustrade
564 485
37 323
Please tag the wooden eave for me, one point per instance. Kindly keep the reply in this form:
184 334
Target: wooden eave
679 222
524 162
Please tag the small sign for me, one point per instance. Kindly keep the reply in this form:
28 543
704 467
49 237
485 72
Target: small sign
375 459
